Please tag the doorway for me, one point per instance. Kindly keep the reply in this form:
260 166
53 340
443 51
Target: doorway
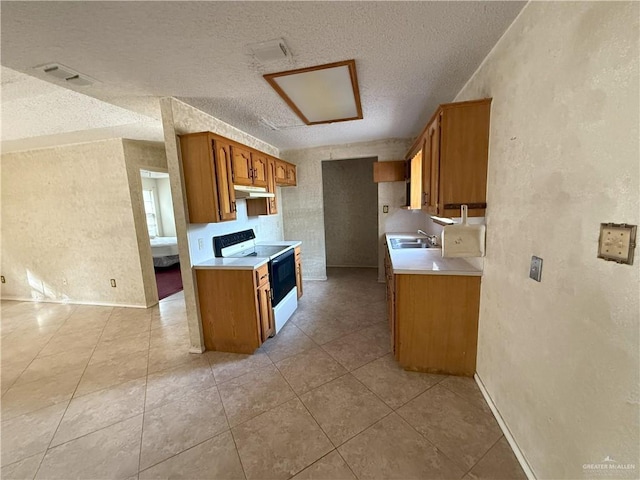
158 207
350 213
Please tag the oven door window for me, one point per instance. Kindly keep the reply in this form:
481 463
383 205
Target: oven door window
283 275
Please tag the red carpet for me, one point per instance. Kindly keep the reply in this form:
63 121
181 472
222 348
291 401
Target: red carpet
169 280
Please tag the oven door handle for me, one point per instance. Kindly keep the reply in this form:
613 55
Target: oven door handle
282 257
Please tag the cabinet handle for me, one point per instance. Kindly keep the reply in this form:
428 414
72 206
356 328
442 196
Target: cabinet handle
233 207
251 173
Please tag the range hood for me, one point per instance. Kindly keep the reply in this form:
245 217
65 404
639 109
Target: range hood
252 192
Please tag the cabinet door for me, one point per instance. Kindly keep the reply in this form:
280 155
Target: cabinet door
391 299
242 166
291 175
426 172
434 166
260 169
265 313
226 194
281 172
271 185
298 271
199 172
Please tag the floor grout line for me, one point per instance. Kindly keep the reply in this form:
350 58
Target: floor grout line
144 403
70 399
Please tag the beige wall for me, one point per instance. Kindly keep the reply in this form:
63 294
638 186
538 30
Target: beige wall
68 226
148 156
350 201
560 358
303 210
179 118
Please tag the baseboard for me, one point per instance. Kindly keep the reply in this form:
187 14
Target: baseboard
507 433
73 302
314 279
352 266
196 350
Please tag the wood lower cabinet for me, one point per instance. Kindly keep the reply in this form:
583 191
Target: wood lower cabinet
206 165
434 322
235 308
298 255
391 299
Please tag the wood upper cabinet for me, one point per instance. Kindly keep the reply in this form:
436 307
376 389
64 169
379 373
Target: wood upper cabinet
286 174
432 167
455 156
265 206
224 180
281 172
271 185
206 166
242 166
235 308
291 175
260 168
298 255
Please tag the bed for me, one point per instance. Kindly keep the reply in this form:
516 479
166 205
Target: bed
164 251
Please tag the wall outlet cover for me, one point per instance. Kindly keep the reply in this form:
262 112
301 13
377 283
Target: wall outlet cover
535 271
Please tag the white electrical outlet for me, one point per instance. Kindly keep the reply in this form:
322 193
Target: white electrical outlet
200 243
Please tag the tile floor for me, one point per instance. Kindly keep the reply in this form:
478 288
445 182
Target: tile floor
95 392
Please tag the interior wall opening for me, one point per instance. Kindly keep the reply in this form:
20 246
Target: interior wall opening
158 206
350 200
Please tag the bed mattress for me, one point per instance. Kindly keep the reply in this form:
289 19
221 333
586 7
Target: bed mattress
164 246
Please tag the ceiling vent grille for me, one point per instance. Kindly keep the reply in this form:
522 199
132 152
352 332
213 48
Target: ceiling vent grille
270 51
65 73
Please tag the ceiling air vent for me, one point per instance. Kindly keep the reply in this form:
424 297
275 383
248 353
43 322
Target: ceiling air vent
270 51
65 73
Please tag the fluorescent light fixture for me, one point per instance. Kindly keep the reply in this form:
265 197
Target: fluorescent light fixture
322 94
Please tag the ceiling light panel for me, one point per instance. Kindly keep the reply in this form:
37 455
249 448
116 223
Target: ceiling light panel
322 94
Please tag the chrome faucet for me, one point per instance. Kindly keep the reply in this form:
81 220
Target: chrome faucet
432 239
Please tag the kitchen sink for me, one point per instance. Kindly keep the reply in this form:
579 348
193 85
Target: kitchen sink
419 242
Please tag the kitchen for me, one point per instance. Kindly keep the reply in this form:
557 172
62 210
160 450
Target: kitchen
556 167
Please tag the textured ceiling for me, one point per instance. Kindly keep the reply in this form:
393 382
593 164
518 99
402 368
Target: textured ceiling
39 114
410 56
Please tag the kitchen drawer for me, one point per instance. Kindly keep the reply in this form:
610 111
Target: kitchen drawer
262 274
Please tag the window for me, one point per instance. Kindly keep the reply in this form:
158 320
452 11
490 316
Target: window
150 210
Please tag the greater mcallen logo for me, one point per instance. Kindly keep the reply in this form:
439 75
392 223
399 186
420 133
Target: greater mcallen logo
608 464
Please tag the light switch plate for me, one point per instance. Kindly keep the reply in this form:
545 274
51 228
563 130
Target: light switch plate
617 242
385 209
535 271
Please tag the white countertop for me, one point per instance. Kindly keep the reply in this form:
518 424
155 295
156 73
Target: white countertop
426 261
244 263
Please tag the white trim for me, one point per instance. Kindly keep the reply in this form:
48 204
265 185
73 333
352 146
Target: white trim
197 350
314 279
507 433
74 302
